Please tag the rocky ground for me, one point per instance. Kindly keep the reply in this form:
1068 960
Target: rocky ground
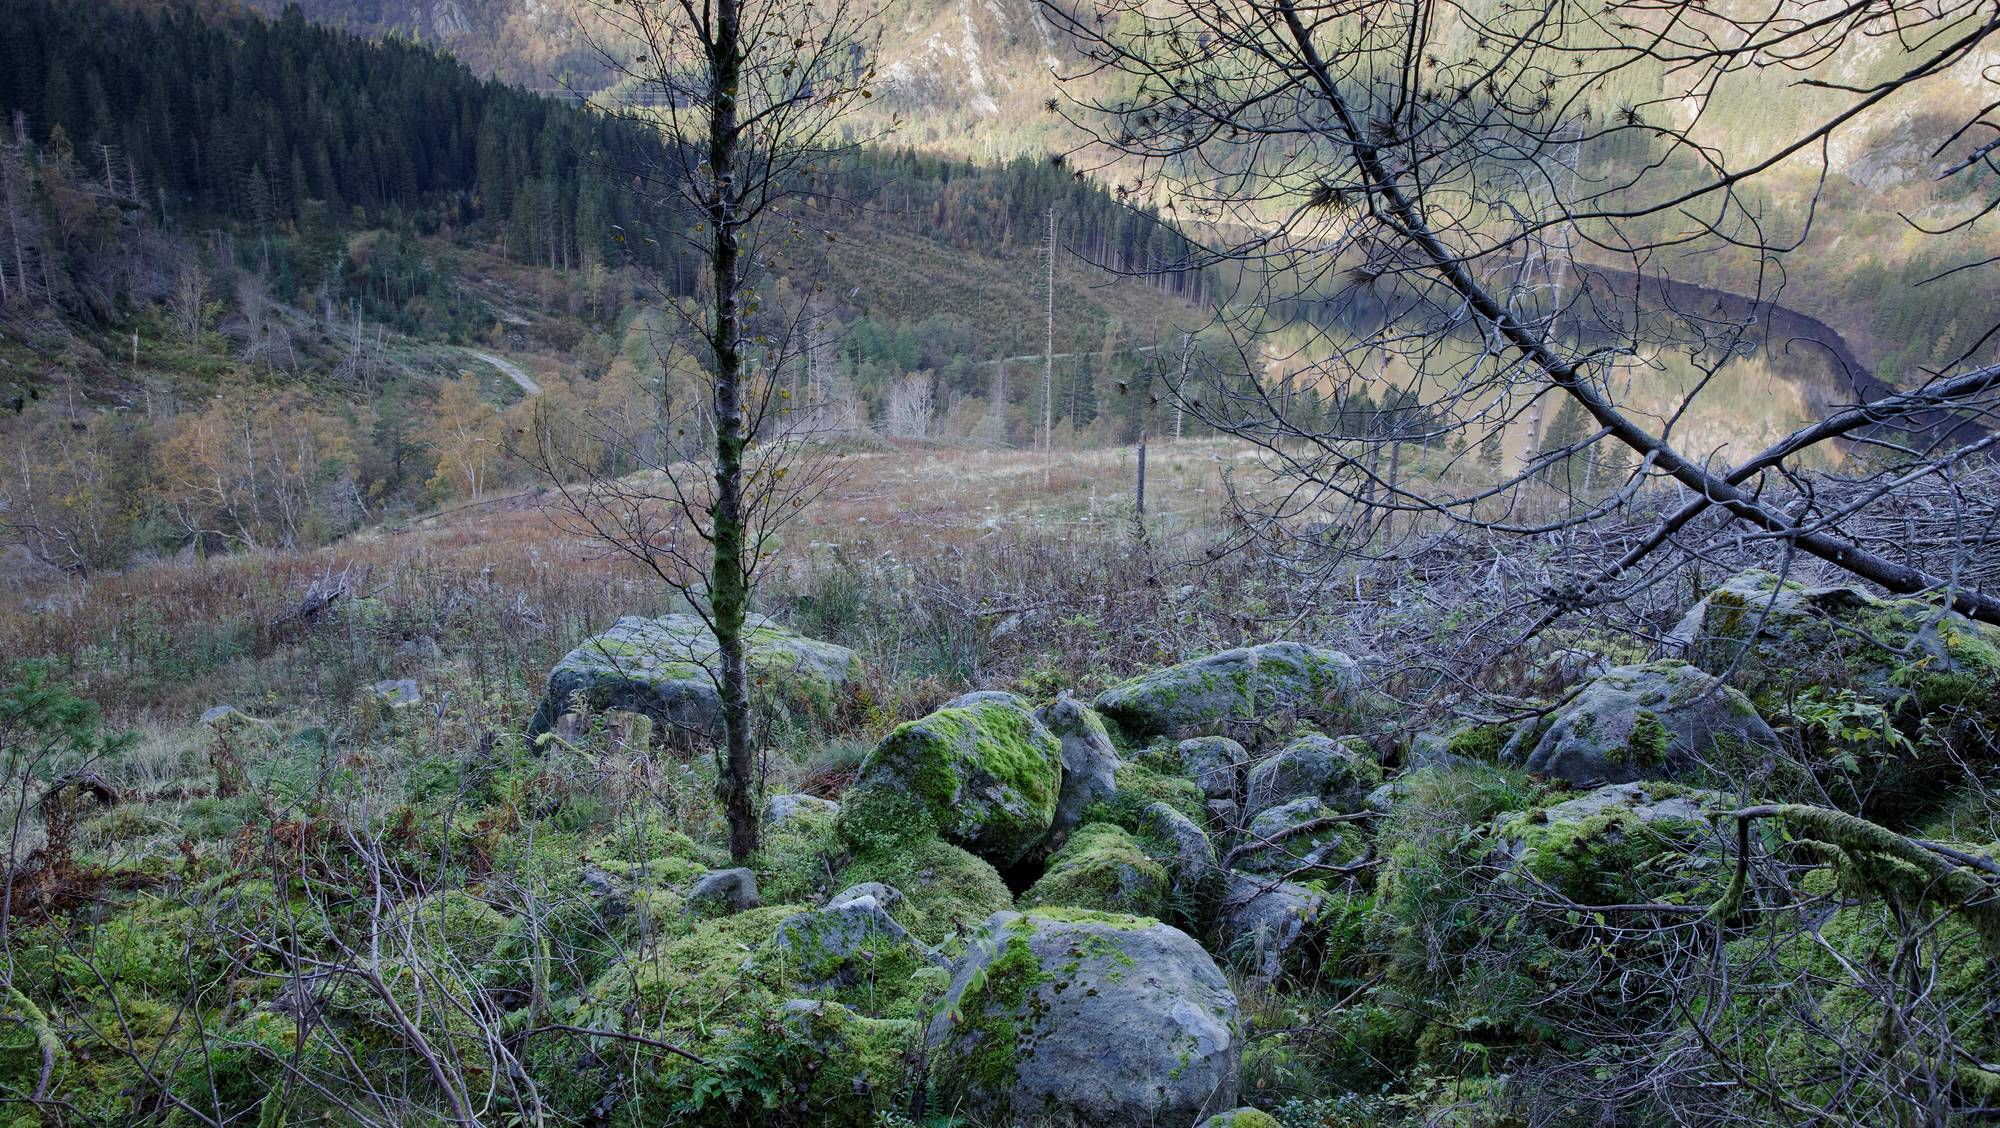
1236 890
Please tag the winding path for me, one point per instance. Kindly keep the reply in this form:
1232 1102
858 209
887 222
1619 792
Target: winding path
508 369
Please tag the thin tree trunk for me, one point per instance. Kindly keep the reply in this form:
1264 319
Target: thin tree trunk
728 593
1049 345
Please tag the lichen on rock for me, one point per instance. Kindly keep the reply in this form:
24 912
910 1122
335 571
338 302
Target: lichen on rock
667 669
1097 1018
1252 684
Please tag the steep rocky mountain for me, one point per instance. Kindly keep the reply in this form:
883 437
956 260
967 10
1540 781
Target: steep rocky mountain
968 77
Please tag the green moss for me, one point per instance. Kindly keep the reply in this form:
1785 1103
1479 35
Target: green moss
1480 742
876 975
1649 741
984 775
867 1066
988 1014
1848 960
1070 914
1242 1118
792 859
1141 784
1612 856
1101 867
946 891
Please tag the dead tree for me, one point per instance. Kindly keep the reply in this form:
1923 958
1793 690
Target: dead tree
1471 191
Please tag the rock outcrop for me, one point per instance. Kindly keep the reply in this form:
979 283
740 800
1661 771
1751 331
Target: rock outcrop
1092 1018
1656 721
663 668
1255 683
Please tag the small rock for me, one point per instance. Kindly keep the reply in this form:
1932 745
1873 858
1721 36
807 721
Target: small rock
779 809
1339 772
1214 762
725 892
422 649
1224 814
614 899
1264 922
887 896
397 693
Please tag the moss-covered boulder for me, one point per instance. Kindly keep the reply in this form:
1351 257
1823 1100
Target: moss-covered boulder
1297 838
1776 638
766 1057
1891 700
1102 867
665 669
851 939
1065 1016
1215 763
1661 720
1340 773
1620 843
1192 865
946 891
1234 688
982 772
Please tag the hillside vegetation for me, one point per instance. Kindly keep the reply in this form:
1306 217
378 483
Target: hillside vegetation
490 636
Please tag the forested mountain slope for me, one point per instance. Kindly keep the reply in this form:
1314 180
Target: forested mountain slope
974 77
211 221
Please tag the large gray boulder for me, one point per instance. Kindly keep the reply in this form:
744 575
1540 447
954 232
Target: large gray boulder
1090 1018
1340 773
1255 683
665 669
1655 721
1089 763
1265 926
1773 638
982 772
